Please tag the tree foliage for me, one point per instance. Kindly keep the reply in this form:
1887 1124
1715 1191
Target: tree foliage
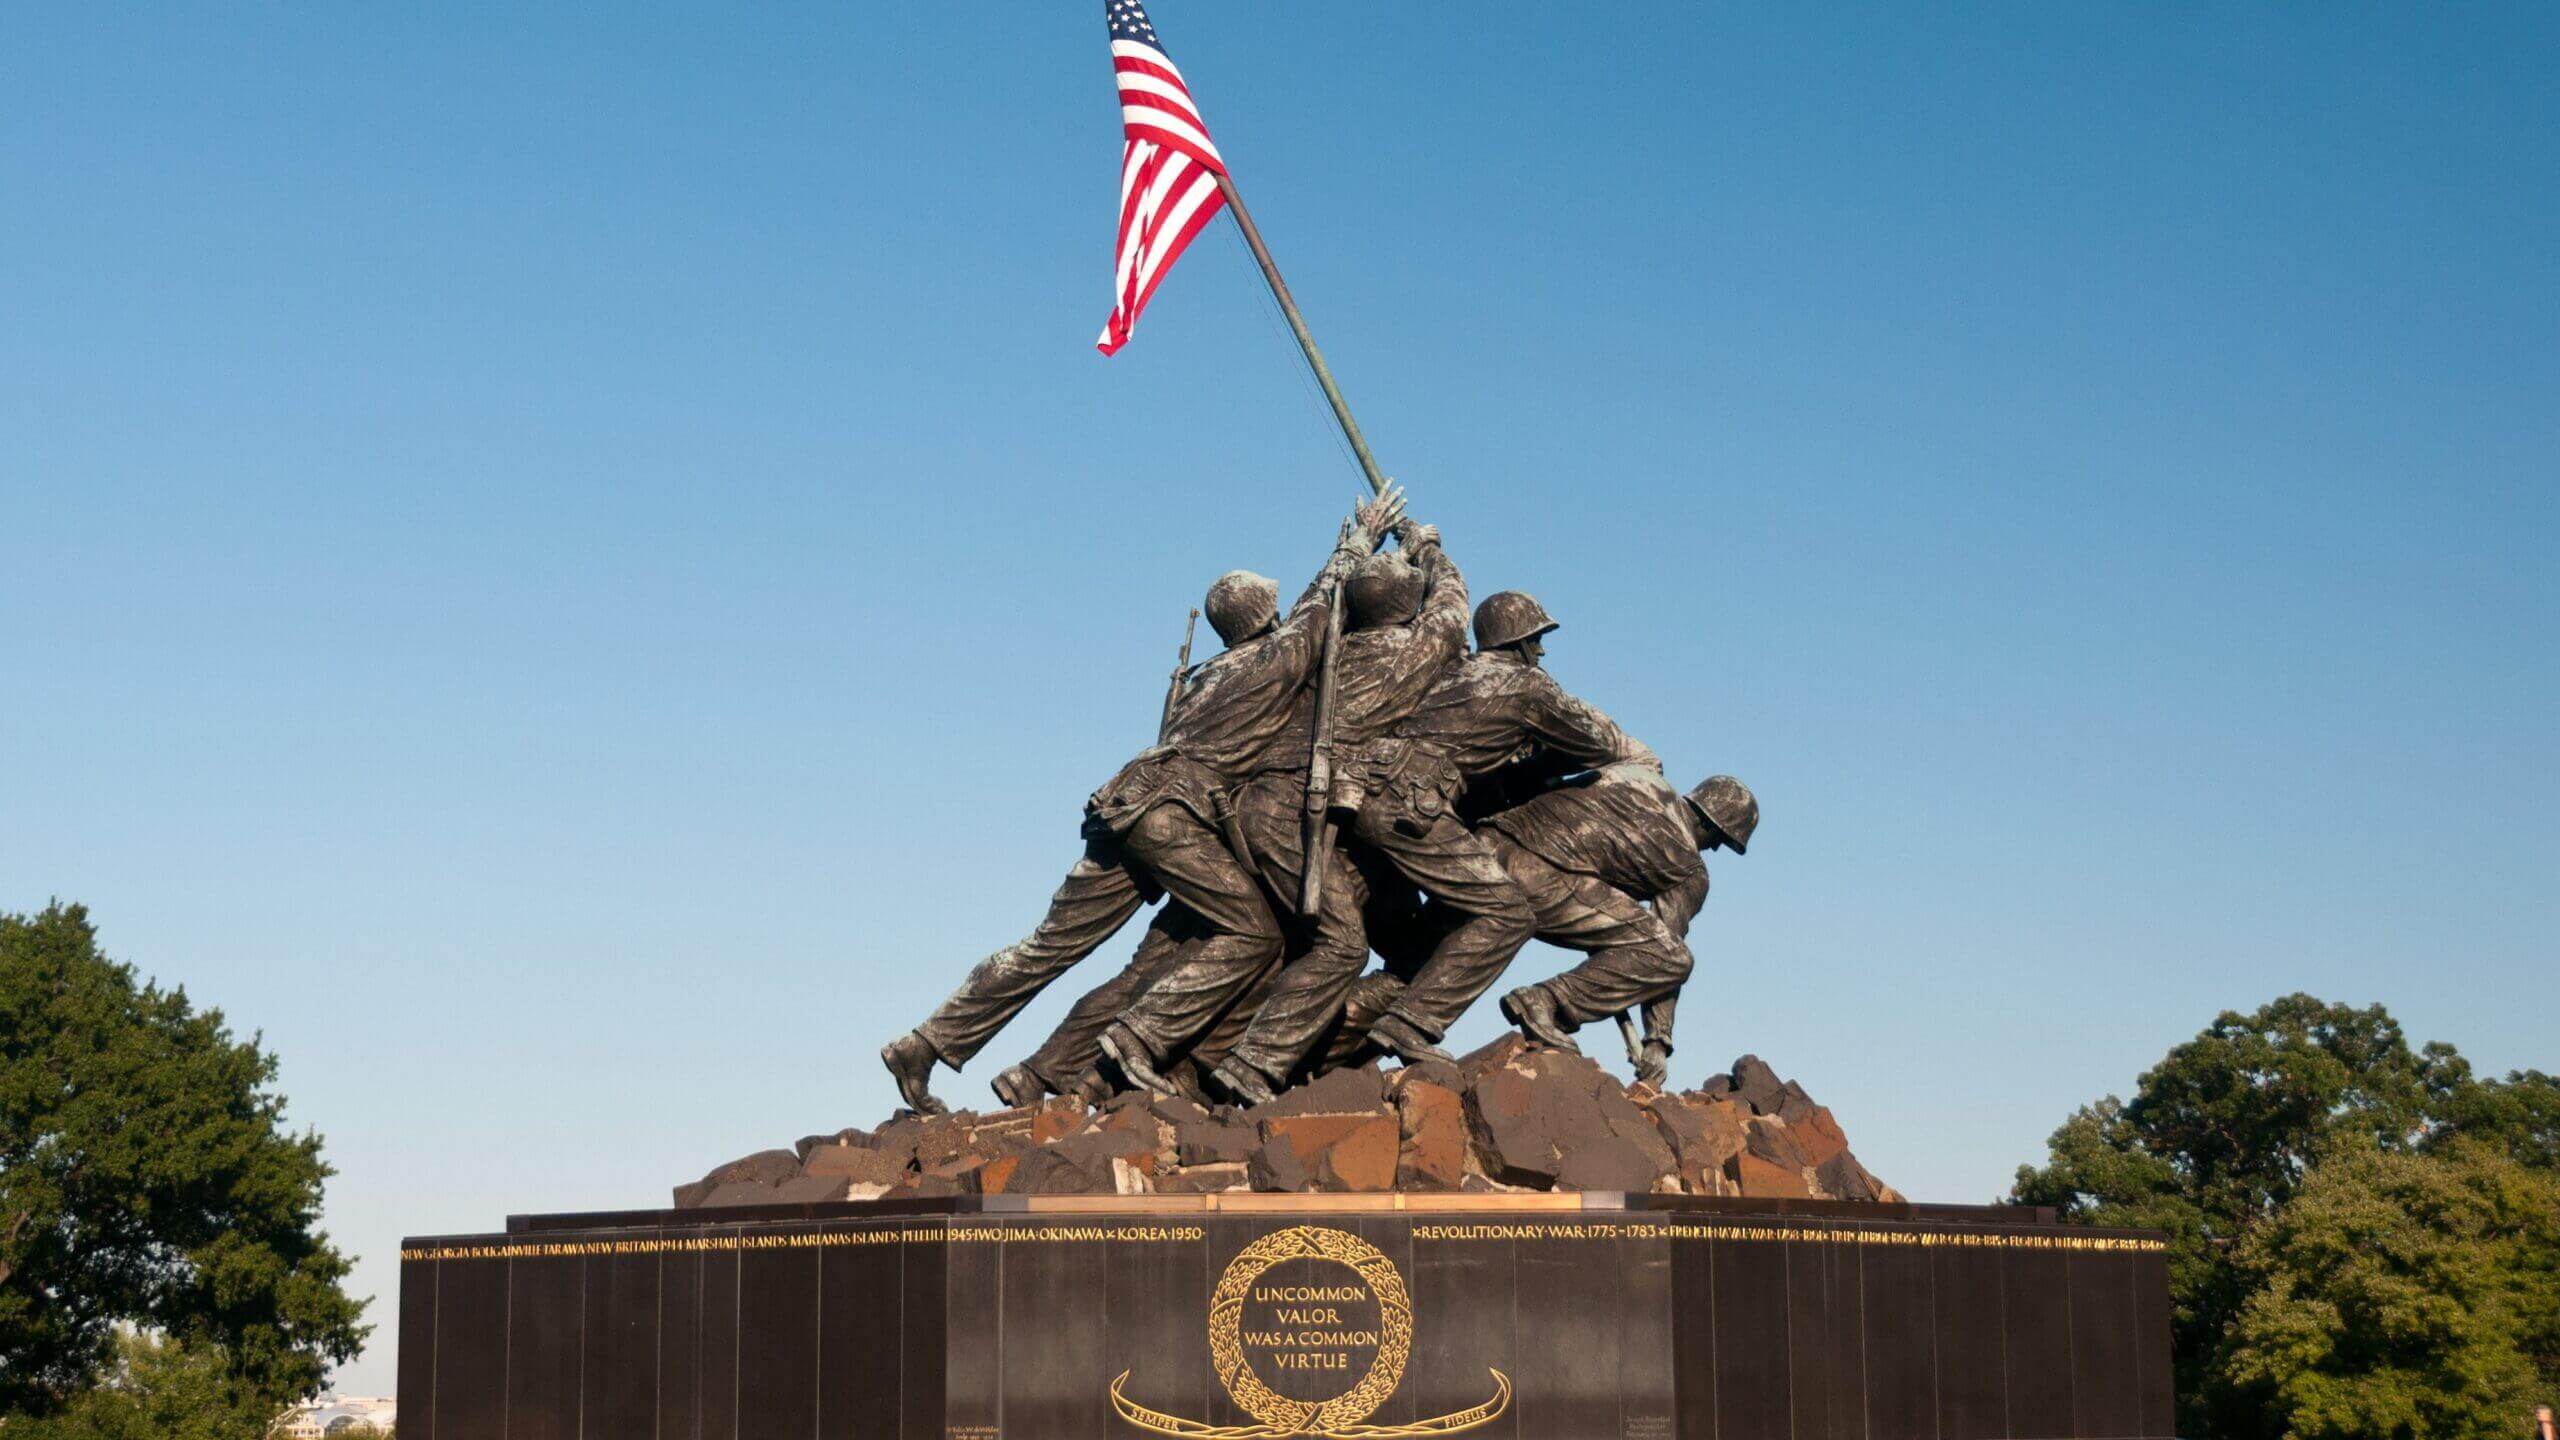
2236 1131
157 1389
2518 1116
147 1180
2402 1295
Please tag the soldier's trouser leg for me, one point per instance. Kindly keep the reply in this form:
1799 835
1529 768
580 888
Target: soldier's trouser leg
1634 957
1659 1014
1403 929
1096 899
1458 869
1219 1041
1346 1041
1404 932
1193 864
1308 993
1076 1045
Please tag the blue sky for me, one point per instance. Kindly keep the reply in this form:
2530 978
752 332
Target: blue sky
573 565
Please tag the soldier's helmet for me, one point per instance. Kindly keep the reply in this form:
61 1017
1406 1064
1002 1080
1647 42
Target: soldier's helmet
1509 617
1241 605
1729 806
1385 589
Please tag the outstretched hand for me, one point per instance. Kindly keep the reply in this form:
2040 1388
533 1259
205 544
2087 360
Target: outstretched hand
1376 519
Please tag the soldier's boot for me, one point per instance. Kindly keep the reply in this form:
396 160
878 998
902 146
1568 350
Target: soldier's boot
1091 1087
910 1060
1191 1085
1653 1067
1243 1082
1018 1088
1398 1037
1130 1053
1534 1010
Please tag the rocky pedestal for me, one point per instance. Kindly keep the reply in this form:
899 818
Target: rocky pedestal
1515 1246
1508 1119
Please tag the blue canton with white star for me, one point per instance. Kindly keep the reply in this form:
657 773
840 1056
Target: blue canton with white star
1129 22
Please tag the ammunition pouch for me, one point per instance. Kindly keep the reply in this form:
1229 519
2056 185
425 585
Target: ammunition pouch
1358 771
1159 775
1350 792
1407 784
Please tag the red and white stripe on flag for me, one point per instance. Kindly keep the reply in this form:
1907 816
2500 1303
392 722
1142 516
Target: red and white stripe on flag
1169 168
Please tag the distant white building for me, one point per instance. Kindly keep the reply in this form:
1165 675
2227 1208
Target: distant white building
341 1416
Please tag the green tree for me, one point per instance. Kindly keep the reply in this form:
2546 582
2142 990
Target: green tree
147 1181
2219 1136
157 1389
2519 1116
2403 1296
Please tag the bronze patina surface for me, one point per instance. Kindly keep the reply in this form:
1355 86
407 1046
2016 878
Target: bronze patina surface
1344 779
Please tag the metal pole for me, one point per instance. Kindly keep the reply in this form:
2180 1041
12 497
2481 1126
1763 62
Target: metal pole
1306 342
1319 823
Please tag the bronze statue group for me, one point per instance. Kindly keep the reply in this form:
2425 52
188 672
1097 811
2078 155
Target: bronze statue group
1462 805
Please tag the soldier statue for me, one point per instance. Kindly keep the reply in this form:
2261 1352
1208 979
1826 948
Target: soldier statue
1589 850
1404 790
1588 855
1404 629
1232 992
1153 824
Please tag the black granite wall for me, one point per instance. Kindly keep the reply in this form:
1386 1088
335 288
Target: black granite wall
1629 1325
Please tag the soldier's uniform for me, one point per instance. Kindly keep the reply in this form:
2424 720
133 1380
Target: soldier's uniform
1381 673
1587 856
1381 677
1155 823
1075 1046
1390 917
1485 713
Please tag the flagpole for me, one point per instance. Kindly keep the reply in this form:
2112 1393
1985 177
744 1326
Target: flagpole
1306 341
1318 818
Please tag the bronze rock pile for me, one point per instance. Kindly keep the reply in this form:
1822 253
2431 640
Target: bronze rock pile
1509 1117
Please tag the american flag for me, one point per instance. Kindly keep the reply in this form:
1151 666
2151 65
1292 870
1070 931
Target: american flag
1168 170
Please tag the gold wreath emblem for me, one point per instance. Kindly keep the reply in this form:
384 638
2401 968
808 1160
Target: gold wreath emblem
1342 1417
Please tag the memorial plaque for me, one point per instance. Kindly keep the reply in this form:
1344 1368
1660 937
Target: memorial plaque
1261 1317
679 1375
546 1299
618 1377
859 1288
417 1364
467 1392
